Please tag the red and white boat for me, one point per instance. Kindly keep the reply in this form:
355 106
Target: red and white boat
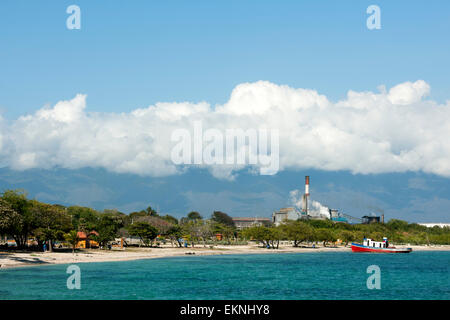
378 246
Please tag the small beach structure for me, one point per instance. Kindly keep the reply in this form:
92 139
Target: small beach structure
85 242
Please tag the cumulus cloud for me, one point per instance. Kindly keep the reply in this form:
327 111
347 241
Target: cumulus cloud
393 130
408 92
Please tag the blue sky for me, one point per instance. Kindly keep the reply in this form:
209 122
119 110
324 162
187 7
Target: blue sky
132 55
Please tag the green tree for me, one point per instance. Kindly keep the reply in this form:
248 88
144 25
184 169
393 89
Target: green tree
276 234
206 230
376 236
396 224
51 222
16 219
198 230
170 219
175 233
160 224
144 230
83 218
194 215
223 218
151 212
107 228
347 236
11 222
72 238
226 231
297 231
262 234
321 224
325 235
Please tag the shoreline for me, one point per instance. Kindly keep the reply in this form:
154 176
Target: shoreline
10 260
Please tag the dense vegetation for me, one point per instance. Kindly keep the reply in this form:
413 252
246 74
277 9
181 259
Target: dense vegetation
22 219
327 231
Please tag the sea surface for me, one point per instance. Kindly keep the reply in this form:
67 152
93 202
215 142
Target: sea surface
287 276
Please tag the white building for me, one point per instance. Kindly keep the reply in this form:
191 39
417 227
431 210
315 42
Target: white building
285 214
243 223
431 225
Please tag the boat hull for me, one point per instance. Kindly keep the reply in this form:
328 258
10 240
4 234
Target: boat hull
356 247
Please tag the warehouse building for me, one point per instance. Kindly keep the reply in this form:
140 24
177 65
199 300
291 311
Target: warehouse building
242 223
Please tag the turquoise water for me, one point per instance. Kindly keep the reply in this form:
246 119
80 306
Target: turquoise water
334 275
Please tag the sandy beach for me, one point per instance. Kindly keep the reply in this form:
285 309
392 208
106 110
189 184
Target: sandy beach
9 259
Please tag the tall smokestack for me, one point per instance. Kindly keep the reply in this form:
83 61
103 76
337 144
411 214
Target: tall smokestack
307 185
306 193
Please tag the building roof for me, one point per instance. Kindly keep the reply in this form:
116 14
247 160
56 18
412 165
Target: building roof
285 210
82 235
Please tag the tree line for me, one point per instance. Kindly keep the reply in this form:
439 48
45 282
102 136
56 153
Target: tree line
328 232
23 219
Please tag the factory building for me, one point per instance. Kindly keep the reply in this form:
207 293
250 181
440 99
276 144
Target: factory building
336 216
309 210
242 223
285 214
370 219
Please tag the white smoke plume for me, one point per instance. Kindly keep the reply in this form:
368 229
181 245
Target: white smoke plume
295 199
394 130
317 209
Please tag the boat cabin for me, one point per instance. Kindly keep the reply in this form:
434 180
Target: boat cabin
376 244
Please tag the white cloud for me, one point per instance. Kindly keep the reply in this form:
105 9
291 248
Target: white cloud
408 92
393 130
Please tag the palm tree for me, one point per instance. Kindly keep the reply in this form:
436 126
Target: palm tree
72 238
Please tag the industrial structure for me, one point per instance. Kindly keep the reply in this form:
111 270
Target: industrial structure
370 219
314 210
242 223
284 214
305 197
432 225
